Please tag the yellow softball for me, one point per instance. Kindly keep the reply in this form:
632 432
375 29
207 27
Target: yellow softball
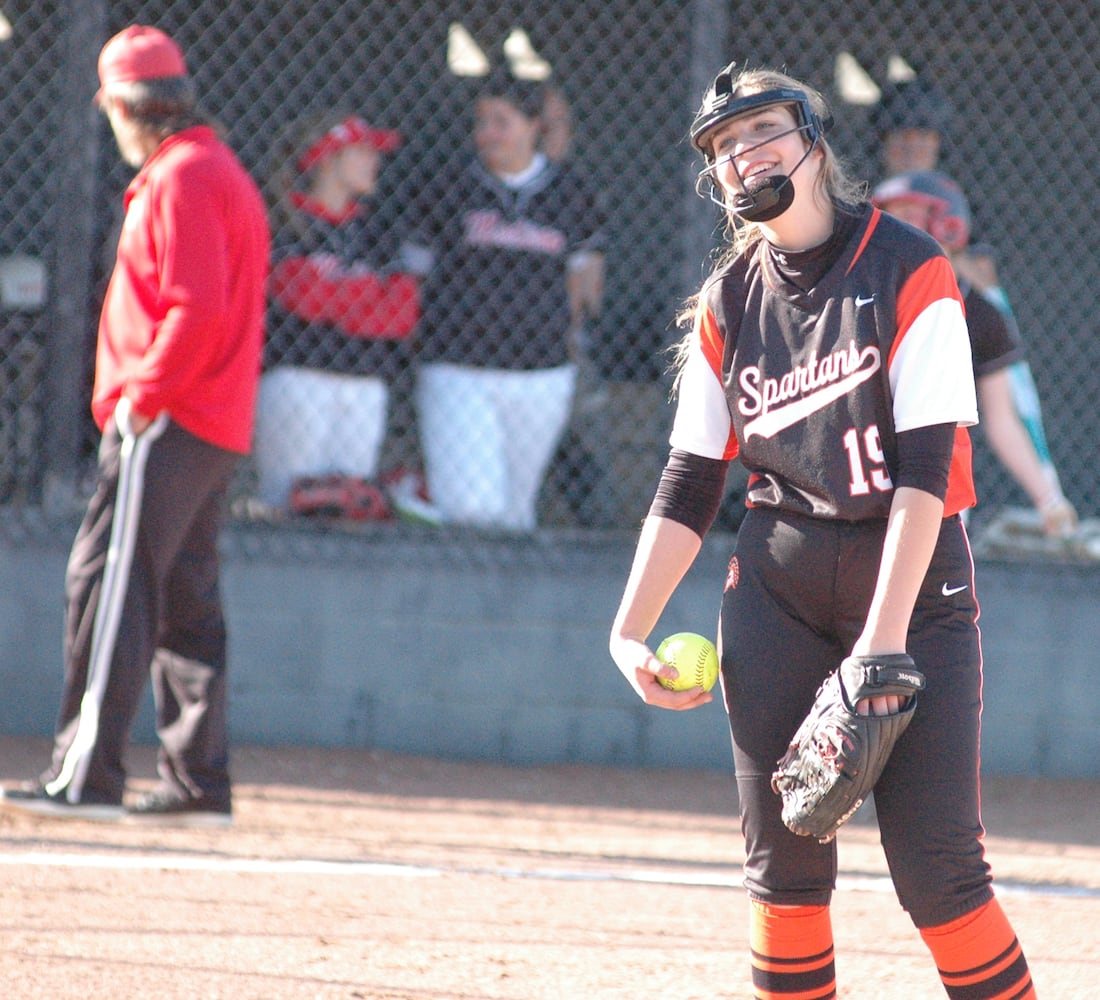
693 656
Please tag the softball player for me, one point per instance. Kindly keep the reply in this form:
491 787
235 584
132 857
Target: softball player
912 120
496 381
341 309
829 352
933 202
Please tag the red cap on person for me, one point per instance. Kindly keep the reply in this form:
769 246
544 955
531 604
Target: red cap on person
139 53
350 132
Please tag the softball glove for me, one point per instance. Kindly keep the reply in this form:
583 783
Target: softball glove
837 755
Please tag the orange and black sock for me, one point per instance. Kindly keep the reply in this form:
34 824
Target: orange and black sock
792 952
979 958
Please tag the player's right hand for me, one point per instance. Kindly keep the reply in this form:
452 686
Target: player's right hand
1059 517
638 664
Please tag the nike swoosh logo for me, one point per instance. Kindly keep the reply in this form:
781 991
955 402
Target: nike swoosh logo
948 591
862 302
783 417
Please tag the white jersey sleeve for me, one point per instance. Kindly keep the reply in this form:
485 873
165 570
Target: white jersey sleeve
702 425
931 371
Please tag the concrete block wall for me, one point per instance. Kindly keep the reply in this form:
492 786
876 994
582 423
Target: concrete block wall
496 648
499 652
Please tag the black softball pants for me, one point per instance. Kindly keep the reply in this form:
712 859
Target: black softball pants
796 600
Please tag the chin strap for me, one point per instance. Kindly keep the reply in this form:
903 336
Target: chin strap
766 200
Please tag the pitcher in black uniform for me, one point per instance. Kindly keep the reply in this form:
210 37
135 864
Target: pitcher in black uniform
828 351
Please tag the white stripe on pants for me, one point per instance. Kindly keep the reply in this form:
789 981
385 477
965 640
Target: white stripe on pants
116 578
488 437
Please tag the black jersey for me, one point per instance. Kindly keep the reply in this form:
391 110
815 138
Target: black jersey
497 293
338 302
810 388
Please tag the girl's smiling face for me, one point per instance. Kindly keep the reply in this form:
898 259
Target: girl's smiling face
756 145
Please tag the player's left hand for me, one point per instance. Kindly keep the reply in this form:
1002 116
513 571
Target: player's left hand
638 664
138 423
128 420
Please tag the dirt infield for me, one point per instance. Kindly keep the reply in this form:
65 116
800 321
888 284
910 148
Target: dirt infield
369 875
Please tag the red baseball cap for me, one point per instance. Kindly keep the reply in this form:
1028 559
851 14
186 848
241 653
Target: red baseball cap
350 132
139 53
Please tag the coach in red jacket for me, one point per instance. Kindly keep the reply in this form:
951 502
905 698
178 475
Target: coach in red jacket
177 366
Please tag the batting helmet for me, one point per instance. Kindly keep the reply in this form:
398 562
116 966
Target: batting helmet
719 105
948 218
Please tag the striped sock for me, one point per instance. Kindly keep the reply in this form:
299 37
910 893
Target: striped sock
979 958
792 952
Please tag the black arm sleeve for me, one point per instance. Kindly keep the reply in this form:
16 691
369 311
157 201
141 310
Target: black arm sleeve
690 490
924 458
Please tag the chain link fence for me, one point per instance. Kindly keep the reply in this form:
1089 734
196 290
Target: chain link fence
589 440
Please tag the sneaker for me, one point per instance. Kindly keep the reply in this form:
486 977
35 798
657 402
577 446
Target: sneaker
36 800
168 807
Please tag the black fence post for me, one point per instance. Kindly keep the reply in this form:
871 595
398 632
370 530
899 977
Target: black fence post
72 267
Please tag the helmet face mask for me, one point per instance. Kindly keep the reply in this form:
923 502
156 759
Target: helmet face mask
772 195
719 105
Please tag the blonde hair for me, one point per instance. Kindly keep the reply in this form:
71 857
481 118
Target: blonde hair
832 182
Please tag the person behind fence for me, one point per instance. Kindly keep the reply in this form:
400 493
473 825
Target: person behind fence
585 274
911 121
829 352
576 472
558 133
496 379
177 364
342 306
935 203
